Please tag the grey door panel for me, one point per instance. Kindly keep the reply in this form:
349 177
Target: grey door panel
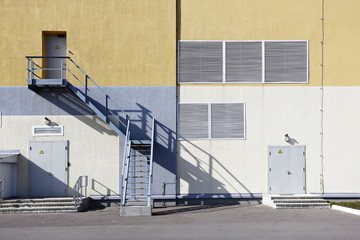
55 46
286 169
48 169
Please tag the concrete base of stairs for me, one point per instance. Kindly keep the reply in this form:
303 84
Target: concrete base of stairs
296 201
135 211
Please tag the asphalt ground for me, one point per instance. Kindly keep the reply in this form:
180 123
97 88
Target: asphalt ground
188 222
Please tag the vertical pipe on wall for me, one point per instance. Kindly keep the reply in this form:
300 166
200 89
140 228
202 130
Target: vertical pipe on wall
322 98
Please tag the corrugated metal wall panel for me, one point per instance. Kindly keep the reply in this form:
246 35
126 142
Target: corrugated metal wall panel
243 61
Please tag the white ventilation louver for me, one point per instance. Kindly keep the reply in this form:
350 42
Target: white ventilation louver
211 121
243 61
201 61
48 130
286 62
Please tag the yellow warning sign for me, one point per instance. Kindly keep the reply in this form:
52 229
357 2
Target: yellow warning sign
57 47
280 152
41 152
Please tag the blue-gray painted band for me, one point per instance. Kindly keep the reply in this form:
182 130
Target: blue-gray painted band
141 103
219 196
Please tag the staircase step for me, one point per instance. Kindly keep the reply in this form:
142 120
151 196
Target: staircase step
300 201
42 205
296 197
38 209
295 201
141 142
138 166
136 194
36 204
302 205
37 200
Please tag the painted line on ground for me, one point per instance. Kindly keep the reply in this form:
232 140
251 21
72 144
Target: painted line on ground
345 209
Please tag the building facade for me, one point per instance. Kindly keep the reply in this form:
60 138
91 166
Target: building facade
249 97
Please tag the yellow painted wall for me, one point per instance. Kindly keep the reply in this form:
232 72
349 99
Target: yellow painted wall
283 20
342 48
117 42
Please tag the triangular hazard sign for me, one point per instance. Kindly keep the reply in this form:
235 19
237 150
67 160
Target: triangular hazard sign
41 152
57 47
280 151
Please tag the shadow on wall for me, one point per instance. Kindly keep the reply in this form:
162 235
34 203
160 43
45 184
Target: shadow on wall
67 101
101 189
36 181
141 128
199 173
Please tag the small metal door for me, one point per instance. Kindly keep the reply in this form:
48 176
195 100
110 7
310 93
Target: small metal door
48 169
40 169
55 46
286 169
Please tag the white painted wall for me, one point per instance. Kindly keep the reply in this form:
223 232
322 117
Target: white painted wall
93 149
342 134
240 166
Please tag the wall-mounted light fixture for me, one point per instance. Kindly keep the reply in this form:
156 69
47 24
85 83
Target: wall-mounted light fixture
47 121
287 138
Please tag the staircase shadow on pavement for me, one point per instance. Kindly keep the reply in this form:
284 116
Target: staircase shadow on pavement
198 208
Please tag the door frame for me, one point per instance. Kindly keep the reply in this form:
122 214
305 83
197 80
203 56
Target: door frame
43 44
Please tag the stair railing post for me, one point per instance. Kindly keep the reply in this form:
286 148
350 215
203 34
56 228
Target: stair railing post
151 161
61 68
106 108
28 68
32 69
86 85
86 184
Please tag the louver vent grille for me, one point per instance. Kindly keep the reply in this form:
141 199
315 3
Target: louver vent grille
48 131
243 62
193 121
228 120
286 61
200 61
211 120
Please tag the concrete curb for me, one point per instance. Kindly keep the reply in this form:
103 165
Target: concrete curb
345 209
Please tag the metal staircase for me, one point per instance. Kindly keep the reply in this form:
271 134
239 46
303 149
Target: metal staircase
136 179
137 175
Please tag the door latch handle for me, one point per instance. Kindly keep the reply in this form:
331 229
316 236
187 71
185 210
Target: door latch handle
288 172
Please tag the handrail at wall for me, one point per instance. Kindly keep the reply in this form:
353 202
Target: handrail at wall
2 182
80 185
151 161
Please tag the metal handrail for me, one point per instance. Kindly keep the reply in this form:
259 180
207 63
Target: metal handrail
126 160
151 162
2 181
31 73
80 184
